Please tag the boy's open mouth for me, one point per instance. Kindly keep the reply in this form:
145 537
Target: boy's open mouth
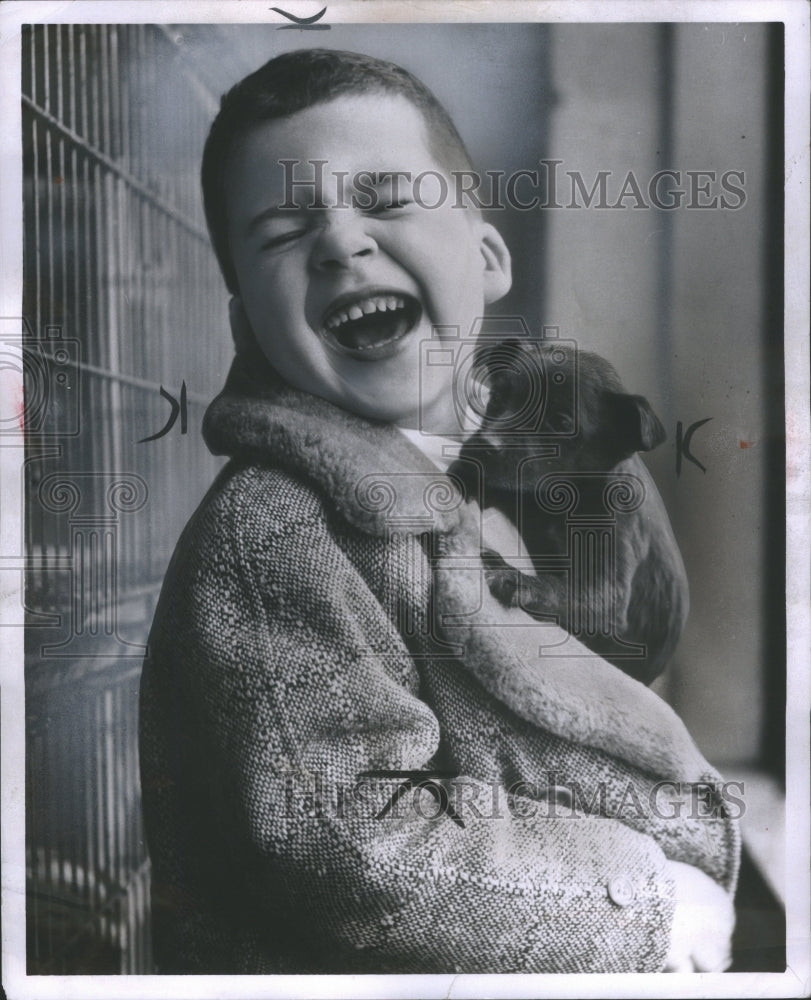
369 327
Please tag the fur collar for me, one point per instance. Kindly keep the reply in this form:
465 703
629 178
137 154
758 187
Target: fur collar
376 478
369 470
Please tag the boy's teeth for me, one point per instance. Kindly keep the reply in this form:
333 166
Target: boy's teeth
365 307
371 323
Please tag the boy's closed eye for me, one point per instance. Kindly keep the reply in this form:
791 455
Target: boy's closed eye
389 197
279 236
282 231
388 203
274 227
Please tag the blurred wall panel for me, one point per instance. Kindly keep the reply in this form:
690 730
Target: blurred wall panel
718 365
675 299
602 262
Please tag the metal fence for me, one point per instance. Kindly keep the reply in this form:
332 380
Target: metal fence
122 299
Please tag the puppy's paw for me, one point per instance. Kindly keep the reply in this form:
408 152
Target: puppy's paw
502 579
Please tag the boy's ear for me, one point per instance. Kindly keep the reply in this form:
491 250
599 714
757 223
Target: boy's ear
498 277
244 340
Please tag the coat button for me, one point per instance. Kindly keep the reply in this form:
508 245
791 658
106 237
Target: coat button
621 891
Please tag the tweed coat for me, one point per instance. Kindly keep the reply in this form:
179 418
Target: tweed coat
324 615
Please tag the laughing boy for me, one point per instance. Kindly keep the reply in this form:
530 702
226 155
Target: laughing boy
324 617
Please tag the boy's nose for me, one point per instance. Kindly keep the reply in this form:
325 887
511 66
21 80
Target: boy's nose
342 238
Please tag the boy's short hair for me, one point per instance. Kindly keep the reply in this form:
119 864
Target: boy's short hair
298 80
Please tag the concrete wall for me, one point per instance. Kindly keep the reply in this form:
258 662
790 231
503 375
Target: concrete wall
675 299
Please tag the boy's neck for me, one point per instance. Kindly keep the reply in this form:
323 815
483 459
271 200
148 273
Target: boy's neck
443 421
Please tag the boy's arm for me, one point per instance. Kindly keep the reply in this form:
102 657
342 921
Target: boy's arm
287 673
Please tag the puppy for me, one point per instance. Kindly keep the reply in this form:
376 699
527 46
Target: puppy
558 440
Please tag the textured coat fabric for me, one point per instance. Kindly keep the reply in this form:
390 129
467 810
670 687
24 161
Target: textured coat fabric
325 615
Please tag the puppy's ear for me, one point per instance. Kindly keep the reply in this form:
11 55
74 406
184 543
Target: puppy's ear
636 426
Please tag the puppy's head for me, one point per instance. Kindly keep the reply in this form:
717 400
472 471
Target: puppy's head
544 394
611 424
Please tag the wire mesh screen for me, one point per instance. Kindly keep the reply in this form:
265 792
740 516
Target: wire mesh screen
123 337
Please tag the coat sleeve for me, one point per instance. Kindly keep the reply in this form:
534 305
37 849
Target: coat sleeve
288 680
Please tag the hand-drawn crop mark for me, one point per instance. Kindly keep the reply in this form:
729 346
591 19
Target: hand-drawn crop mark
683 439
303 23
178 409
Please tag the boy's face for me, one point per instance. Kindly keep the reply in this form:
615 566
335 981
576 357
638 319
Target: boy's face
340 298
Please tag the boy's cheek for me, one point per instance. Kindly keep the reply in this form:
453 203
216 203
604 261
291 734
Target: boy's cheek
260 287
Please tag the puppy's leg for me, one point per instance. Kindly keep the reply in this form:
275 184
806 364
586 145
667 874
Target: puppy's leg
544 597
